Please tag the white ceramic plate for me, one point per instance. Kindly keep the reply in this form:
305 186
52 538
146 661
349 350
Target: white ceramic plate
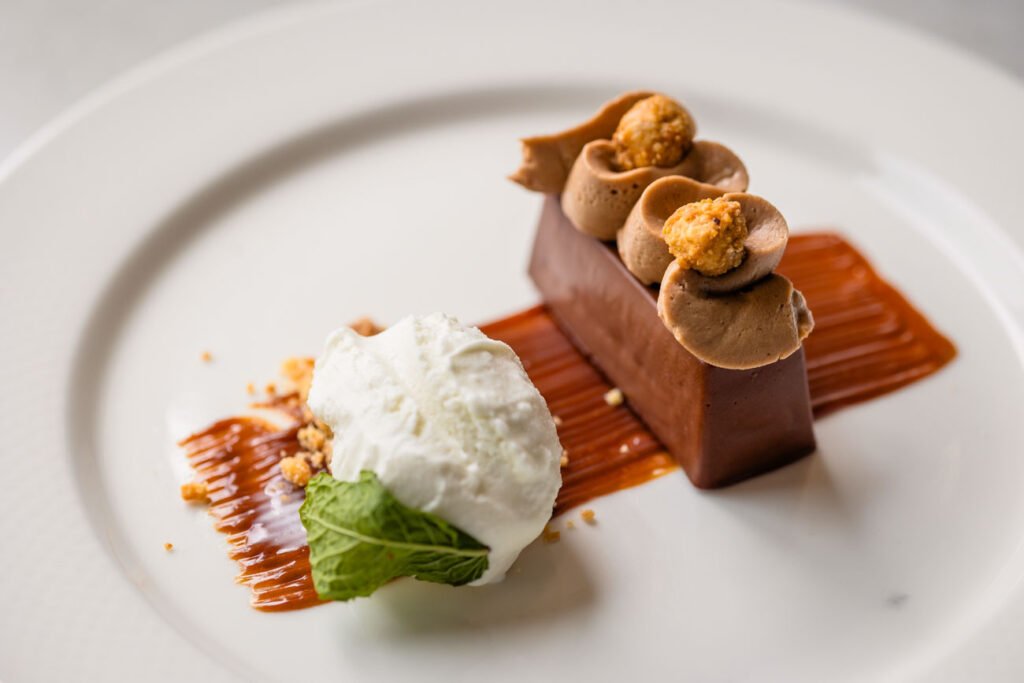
253 190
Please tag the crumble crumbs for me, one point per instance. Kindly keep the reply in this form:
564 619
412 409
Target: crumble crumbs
366 327
588 516
550 535
250 389
614 397
299 371
270 389
557 420
570 524
168 547
564 462
206 356
195 492
296 470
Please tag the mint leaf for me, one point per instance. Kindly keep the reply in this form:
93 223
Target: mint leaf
361 537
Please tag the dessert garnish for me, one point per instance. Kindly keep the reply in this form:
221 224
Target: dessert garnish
548 158
445 457
360 537
656 131
640 240
707 235
719 297
620 152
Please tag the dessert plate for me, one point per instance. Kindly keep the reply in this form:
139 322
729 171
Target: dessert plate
249 192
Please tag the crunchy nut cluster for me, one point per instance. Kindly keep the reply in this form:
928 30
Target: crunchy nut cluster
315 439
707 236
656 131
296 469
195 492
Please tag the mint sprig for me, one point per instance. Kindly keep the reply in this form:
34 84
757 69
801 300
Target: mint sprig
360 537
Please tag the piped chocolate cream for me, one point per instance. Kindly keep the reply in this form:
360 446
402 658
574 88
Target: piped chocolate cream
548 158
601 167
719 297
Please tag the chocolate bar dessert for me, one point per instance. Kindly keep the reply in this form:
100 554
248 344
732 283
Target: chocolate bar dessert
710 358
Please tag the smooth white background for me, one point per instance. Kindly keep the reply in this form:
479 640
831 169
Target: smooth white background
52 52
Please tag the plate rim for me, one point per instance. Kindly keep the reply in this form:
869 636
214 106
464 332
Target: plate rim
272 21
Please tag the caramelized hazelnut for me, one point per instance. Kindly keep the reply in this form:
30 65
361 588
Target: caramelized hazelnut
656 131
707 236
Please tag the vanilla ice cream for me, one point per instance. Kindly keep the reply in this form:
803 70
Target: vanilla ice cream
449 422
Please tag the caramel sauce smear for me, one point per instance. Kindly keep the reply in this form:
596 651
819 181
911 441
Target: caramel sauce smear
868 341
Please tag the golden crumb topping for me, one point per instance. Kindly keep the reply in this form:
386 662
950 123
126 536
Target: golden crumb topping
206 356
195 492
366 327
614 397
168 547
550 535
299 371
296 470
588 516
656 131
707 236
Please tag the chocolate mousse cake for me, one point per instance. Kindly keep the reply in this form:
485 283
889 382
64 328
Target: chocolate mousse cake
710 356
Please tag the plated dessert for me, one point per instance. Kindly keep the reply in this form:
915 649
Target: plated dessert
682 326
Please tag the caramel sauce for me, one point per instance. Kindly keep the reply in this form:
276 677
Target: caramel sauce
868 341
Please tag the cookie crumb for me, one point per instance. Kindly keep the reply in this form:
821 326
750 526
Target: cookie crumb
195 492
299 371
270 389
588 516
570 524
550 535
564 462
557 421
296 470
614 397
206 356
168 547
250 389
366 327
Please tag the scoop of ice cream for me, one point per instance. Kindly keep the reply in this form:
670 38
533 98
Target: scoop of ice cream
656 131
449 422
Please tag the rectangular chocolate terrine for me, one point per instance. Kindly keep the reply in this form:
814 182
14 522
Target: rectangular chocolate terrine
722 426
